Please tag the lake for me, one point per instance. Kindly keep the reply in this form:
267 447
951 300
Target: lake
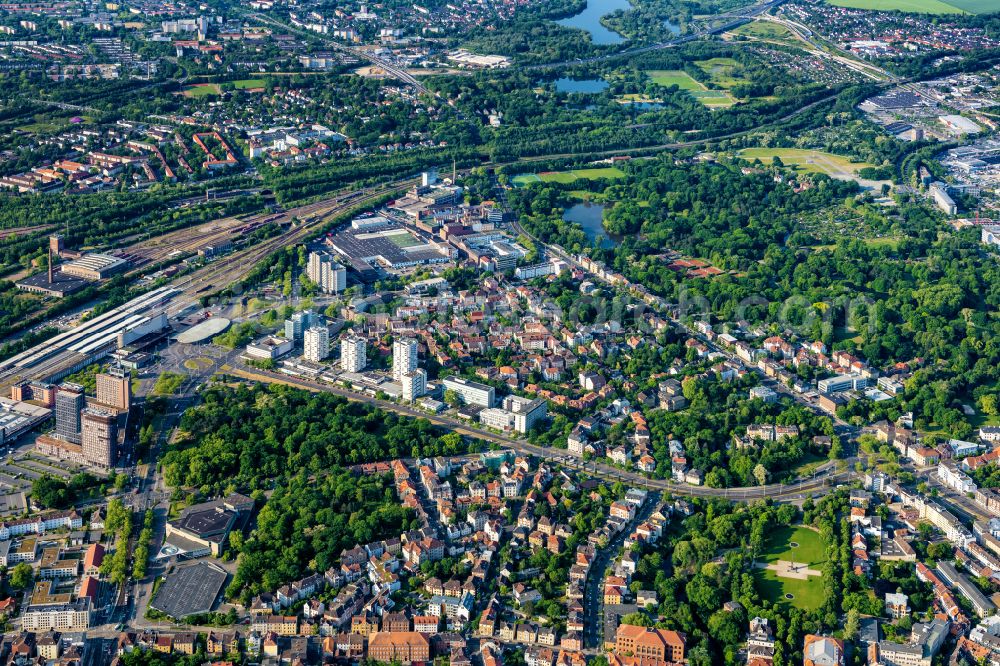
672 27
591 218
586 86
590 20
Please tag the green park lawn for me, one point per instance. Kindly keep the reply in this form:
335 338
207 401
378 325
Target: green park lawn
683 80
808 549
722 70
567 176
806 160
806 594
202 90
673 77
765 30
921 6
244 84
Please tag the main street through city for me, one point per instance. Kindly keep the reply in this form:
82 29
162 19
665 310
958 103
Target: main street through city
826 478
593 590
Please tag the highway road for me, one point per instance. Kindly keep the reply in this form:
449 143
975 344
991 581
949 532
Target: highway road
828 51
393 70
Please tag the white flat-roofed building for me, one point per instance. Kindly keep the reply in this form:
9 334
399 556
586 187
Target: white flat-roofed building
369 223
472 393
465 58
960 124
950 475
526 412
841 383
943 200
269 348
74 616
494 417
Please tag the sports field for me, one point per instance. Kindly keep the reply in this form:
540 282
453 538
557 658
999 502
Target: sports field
807 161
793 544
713 98
202 90
921 6
403 240
245 84
206 89
567 176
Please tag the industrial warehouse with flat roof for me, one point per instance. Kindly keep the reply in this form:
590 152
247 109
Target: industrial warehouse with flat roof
393 247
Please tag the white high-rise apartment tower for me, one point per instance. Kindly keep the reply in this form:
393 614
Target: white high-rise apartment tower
353 354
316 344
404 357
414 384
324 270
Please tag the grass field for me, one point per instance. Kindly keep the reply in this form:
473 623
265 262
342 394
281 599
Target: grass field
921 6
524 179
206 89
244 84
975 6
722 70
683 80
637 98
807 161
808 549
202 90
567 176
713 98
981 419
673 77
46 124
43 127
766 30
198 363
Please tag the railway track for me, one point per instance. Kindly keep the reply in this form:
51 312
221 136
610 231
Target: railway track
226 271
